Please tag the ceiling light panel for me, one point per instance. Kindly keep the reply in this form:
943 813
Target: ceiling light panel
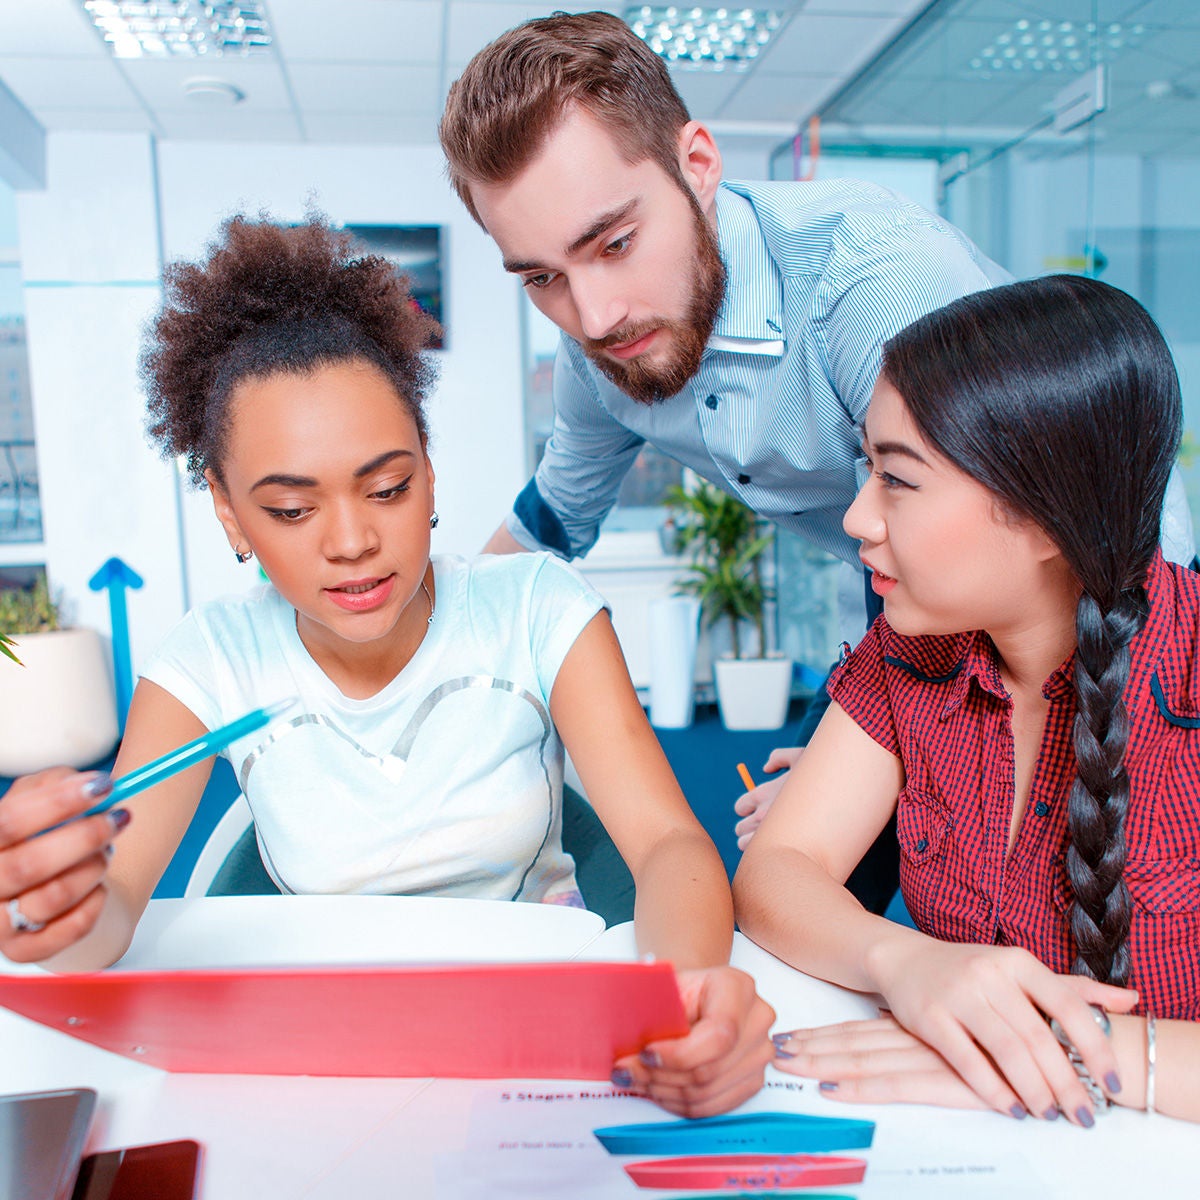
1048 47
180 28
709 39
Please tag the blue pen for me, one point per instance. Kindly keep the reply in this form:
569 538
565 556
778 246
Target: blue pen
187 756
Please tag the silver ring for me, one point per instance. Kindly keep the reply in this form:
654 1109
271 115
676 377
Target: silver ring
19 921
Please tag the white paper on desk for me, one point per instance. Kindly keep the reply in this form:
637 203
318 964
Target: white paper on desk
535 1140
952 1175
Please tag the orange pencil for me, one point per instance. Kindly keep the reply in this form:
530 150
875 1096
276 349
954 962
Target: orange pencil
747 778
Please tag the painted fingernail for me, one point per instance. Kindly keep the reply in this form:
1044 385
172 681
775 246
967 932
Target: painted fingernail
1084 1116
650 1058
826 1086
621 1078
1112 1082
98 786
109 850
781 1039
1019 1111
120 817
1051 1114
780 1052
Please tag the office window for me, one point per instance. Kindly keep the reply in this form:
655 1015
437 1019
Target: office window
20 502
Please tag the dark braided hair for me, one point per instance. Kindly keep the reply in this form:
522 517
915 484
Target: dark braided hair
1059 395
272 299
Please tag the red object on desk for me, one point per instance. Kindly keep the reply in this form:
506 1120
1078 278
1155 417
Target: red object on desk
757 1172
482 1021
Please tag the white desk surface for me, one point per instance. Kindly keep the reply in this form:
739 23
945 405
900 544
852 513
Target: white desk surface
306 1137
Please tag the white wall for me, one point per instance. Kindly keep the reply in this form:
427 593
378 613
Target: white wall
90 265
90 252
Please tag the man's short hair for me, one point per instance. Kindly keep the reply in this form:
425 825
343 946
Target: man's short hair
516 91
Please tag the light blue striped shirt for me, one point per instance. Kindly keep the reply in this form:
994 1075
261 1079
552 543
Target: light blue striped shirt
820 276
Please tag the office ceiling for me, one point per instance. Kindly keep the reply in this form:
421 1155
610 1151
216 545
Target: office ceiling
926 90
375 71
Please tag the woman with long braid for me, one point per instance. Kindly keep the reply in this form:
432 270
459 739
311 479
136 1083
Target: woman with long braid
1029 707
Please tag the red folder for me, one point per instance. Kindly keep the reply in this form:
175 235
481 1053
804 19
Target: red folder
493 1021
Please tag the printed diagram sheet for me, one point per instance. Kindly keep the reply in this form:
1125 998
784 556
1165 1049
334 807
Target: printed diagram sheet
539 1140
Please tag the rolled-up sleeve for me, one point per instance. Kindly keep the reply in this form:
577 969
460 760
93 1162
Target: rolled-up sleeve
577 482
859 685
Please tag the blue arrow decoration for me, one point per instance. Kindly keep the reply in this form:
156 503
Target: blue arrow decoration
115 576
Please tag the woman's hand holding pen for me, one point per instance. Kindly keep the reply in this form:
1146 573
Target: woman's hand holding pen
52 887
983 1009
721 1062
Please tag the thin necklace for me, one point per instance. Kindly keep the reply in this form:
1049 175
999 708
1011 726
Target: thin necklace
430 599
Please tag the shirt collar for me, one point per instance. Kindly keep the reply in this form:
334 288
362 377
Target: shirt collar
751 317
961 659
979 662
1160 648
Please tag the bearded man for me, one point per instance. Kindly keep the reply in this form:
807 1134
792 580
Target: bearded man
735 326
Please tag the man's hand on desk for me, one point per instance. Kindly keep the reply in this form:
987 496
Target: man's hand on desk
721 1062
754 805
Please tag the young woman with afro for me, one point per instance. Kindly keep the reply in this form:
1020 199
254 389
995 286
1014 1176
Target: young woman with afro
437 693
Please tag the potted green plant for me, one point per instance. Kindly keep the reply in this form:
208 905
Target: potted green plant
57 706
725 542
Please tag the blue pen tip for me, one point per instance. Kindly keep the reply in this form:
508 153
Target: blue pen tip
281 706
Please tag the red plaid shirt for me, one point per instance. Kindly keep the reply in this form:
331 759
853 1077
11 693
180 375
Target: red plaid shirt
938 703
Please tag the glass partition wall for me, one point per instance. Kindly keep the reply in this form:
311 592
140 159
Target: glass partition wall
1062 136
1067 138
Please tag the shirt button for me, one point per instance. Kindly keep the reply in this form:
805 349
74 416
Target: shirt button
1041 808
711 402
922 845
743 479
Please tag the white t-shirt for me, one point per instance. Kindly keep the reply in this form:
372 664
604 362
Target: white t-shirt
447 782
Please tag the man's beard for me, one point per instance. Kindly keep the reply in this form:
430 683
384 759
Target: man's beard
649 382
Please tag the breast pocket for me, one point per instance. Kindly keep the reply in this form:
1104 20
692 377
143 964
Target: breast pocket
922 823
1164 933
923 829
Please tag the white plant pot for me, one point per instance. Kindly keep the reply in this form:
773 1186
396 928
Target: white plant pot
674 632
59 708
753 693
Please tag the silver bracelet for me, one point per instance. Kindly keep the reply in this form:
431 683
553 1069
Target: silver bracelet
1151 1060
1095 1092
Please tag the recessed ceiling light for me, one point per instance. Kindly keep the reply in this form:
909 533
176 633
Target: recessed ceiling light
180 28
208 92
713 39
1057 45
